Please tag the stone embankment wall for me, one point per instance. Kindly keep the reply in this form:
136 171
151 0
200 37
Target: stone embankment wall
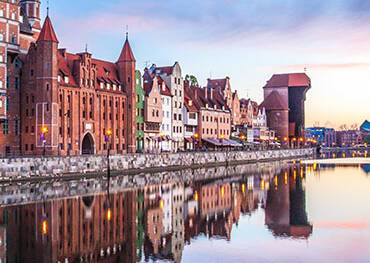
26 167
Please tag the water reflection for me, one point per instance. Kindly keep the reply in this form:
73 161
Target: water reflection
154 222
286 206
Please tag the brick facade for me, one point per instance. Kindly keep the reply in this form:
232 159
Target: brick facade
78 99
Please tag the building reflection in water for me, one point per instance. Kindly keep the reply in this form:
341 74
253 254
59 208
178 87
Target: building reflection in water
285 213
150 223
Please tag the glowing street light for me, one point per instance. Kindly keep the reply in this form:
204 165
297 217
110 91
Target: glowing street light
44 227
109 215
108 135
44 131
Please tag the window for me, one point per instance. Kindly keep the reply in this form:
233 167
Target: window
5 127
14 39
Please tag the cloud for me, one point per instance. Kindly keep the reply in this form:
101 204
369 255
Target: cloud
324 66
342 225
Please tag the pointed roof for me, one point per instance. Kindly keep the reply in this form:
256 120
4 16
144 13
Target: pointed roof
365 126
289 80
47 32
273 102
126 54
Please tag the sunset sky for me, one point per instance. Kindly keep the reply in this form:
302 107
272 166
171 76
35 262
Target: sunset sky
247 40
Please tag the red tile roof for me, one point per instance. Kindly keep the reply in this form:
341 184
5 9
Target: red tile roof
200 100
106 71
166 70
126 54
166 90
47 32
273 102
289 80
189 96
215 83
63 67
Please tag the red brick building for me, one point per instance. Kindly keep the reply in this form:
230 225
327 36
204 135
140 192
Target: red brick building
19 25
284 98
74 98
70 101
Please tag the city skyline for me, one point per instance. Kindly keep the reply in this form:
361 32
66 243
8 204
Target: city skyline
217 31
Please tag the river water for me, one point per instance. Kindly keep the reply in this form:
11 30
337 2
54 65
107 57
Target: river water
276 212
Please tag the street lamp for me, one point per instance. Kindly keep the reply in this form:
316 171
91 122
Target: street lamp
108 135
300 142
196 137
44 227
161 138
294 140
44 131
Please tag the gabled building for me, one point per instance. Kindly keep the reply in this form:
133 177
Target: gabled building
223 87
153 115
19 27
172 76
284 97
71 101
190 114
214 117
140 95
248 109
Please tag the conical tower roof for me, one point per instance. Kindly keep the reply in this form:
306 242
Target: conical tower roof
126 54
47 32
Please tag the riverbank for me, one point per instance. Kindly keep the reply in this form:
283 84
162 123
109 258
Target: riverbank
77 166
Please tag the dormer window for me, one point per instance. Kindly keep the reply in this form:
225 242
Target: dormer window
163 87
59 78
66 79
101 85
119 87
106 72
215 107
114 87
190 103
108 86
206 105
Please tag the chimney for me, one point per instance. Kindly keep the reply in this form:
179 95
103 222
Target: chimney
206 92
63 52
211 93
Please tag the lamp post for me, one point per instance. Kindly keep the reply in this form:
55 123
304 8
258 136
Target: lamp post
301 142
107 137
196 137
44 132
242 137
294 140
226 153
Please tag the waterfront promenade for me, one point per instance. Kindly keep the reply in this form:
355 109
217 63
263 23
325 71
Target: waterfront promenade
77 166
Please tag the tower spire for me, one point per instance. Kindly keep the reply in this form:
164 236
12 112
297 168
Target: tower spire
126 32
47 8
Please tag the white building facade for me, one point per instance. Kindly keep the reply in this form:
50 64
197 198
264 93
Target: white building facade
166 126
172 76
